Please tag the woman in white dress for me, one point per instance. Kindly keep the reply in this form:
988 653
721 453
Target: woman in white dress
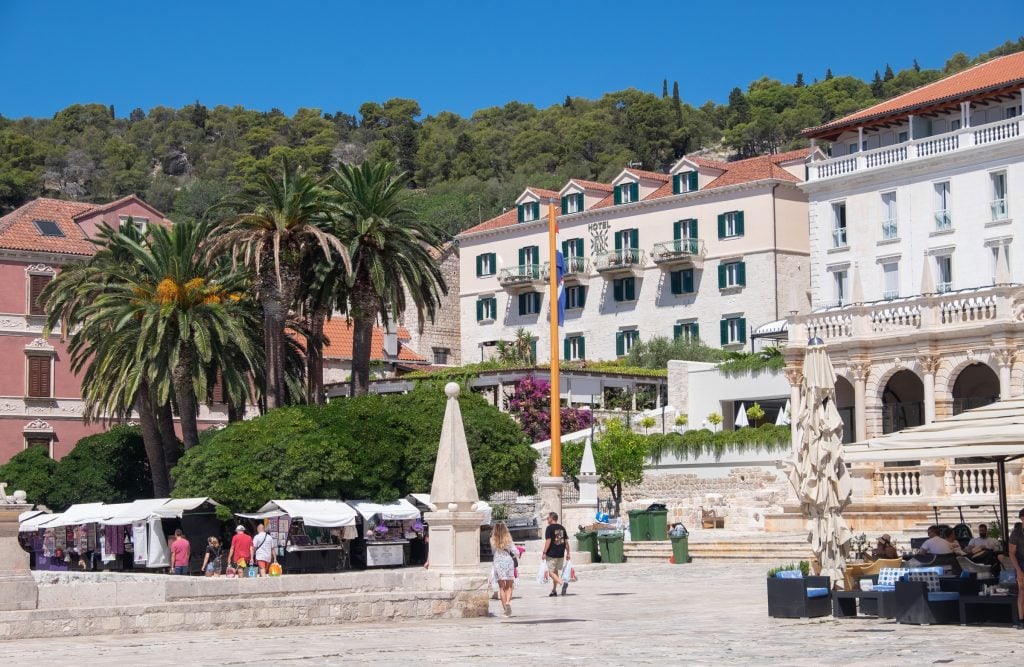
504 567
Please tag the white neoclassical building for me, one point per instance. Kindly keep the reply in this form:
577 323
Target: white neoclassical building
710 250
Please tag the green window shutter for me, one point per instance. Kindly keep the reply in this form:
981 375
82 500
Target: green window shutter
693 180
676 282
535 253
677 331
721 225
581 296
536 302
634 191
739 223
521 211
724 326
630 289
522 256
533 351
677 230
721 276
479 309
618 194
620 344
693 228
743 329
579 247
617 289
494 262
565 204
694 332
522 304
536 210
579 203
581 348
567 348
634 238
676 188
565 248
479 265
741 273
687 280
618 241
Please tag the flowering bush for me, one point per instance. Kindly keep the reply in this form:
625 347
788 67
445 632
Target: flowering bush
530 404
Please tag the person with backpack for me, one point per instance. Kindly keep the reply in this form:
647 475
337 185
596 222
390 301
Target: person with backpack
213 560
506 560
264 549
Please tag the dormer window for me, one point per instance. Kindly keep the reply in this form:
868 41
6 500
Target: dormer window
626 193
140 223
684 182
572 203
48 228
529 211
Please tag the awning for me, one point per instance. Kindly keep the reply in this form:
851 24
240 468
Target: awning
400 510
34 520
77 515
127 513
771 329
174 507
423 500
314 513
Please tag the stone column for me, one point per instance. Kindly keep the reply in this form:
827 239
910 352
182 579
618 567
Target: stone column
933 480
1012 481
795 376
550 500
18 590
582 512
929 366
862 477
860 371
1004 359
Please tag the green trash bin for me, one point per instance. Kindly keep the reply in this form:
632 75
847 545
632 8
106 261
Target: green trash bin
648 525
681 550
586 541
611 547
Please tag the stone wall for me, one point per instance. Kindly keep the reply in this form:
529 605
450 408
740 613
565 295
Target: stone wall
444 331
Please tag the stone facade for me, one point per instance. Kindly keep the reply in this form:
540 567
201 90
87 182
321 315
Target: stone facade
444 332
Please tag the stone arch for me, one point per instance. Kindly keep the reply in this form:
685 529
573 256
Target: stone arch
881 373
902 400
975 384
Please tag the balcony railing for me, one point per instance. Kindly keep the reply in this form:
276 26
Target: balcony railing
972 480
576 267
678 251
898 482
889 295
999 210
944 286
524 274
890 230
627 260
839 237
878 158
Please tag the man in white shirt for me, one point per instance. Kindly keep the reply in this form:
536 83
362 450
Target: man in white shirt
263 545
935 545
983 548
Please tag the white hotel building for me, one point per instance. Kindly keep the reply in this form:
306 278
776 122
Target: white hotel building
709 250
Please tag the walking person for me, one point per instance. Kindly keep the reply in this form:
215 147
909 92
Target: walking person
556 551
505 561
241 548
1016 548
263 548
213 560
181 551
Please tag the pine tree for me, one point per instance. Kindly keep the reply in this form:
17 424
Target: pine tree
112 112
828 74
917 68
568 102
664 88
877 88
888 73
799 80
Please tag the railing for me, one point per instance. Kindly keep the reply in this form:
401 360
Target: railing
971 402
830 326
944 287
887 320
972 480
958 140
968 310
677 249
943 220
890 230
523 274
898 482
839 237
625 258
576 265
999 210
889 295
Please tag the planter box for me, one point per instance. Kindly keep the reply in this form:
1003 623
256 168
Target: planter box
787 598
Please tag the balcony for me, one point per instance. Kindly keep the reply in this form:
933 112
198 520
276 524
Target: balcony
576 269
628 261
839 237
523 275
951 142
680 252
999 210
890 230
943 221
944 287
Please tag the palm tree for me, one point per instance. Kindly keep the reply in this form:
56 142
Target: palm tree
281 225
390 254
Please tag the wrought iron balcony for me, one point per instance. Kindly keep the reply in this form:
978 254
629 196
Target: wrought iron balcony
679 252
523 275
628 261
576 268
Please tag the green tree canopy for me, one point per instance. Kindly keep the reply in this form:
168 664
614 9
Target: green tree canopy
619 455
30 470
108 467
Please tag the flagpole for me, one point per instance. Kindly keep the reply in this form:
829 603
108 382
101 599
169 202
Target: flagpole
556 393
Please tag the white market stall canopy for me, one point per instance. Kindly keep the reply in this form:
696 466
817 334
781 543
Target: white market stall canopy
314 513
992 431
75 515
116 514
480 506
400 510
133 512
33 520
175 507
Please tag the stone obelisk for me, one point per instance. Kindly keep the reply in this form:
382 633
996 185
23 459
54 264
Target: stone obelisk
18 588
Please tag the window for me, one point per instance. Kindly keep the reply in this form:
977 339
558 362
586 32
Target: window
943 220
624 289
839 225
486 309
48 228
627 246
575 297
1011 112
903 136
688 331
944 266
36 285
839 286
681 282
441 355
624 341
486 264
575 348
39 377
529 260
216 392
684 182
684 235
890 230
626 193
999 208
572 203
43 441
733 331
140 223
732 274
996 252
575 260
529 303
730 224
954 125
851 149
529 211
890 280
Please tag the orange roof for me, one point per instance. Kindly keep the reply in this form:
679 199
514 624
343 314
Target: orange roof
592 185
17 231
339 334
541 192
651 175
507 218
101 208
757 169
996 74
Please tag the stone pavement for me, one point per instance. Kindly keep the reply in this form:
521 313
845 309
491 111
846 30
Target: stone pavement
703 613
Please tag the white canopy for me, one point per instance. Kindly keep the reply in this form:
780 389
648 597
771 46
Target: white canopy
993 431
76 515
314 513
123 514
400 510
34 520
175 507
481 506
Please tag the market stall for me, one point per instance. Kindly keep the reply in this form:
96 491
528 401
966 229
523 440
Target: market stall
64 541
135 537
384 533
418 546
311 535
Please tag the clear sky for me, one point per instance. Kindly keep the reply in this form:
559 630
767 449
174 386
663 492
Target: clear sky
456 56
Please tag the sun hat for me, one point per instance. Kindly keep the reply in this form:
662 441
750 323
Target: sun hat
885 538
239 528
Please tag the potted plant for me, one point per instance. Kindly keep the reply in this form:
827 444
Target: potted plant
794 593
714 419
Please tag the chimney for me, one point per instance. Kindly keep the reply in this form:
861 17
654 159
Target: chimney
390 340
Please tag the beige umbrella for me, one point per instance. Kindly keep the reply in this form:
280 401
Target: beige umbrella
819 476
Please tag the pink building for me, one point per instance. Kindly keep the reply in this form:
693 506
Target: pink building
40 398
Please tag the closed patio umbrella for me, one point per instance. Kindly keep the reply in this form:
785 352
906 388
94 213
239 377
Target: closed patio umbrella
741 417
783 418
819 475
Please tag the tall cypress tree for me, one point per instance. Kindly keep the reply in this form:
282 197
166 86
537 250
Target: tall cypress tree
888 73
664 88
677 105
828 73
877 88
799 80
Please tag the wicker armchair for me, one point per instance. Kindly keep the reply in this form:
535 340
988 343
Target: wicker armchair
854 573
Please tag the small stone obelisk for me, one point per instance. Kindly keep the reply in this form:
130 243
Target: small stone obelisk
18 589
455 526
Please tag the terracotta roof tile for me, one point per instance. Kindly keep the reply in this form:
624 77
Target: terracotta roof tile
541 192
710 164
1002 72
650 175
102 208
507 218
758 169
339 333
17 231
592 185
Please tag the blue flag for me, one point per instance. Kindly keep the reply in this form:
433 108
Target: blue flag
559 273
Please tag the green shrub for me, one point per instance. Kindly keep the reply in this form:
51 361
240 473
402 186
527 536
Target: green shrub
804 567
108 467
702 442
30 470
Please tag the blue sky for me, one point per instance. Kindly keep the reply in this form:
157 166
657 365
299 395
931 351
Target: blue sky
457 56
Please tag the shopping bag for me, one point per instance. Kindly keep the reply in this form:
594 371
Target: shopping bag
542 573
568 572
274 570
492 580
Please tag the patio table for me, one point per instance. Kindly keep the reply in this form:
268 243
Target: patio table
989 610
849 604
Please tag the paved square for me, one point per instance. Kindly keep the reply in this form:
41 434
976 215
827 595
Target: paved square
704 613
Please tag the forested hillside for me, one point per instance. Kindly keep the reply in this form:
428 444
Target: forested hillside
465 169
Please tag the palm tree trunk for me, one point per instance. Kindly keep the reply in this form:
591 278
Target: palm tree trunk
364 316
315 356
276 300
185 395
169 439
154 447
